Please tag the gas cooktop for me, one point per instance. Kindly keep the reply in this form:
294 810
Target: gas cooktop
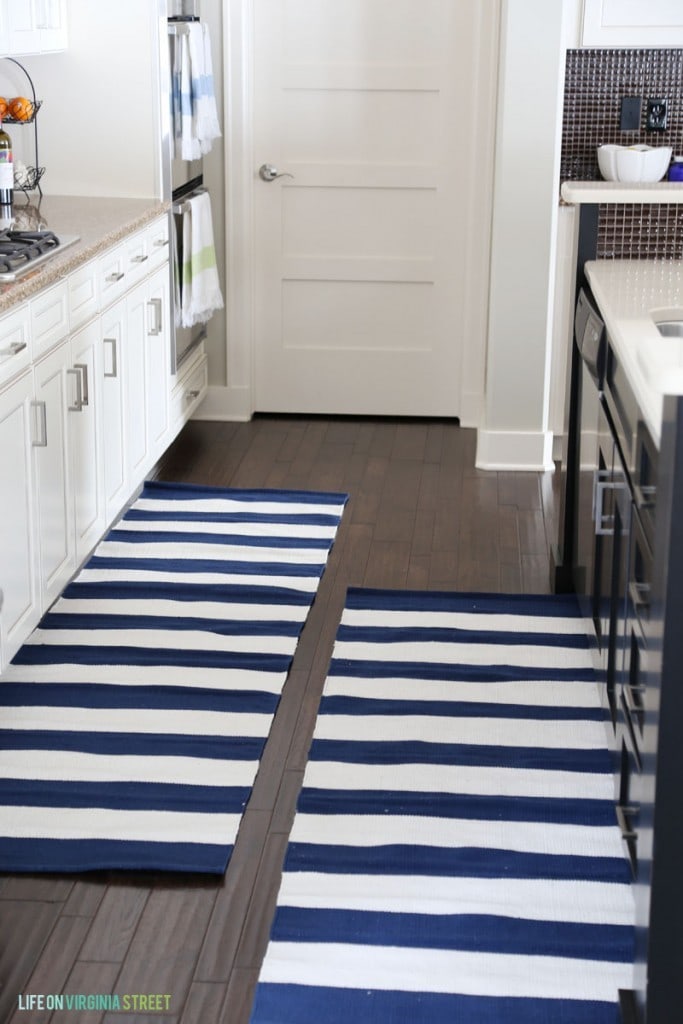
24 251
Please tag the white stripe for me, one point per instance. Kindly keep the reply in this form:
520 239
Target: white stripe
73 766
542 693
507 732
307 584
161 639
520 656
479 620
417 970
463 779
213 552
531 899
240 505
361 830
148 675
259 529
105 823
180 609
138 720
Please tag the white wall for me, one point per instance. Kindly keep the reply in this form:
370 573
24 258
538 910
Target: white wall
98 126
515 431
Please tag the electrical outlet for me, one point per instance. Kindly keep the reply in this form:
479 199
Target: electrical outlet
655 118
629 119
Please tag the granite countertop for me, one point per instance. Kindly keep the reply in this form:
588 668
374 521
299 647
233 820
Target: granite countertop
576 192
632 295
99 222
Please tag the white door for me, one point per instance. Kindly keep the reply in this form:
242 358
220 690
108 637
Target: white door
377 110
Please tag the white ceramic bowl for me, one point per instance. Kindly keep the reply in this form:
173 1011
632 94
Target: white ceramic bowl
633 163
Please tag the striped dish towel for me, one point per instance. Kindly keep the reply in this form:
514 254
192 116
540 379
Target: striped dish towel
199 287
193 101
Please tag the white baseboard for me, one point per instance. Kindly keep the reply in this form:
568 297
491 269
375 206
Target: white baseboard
225 403
515 450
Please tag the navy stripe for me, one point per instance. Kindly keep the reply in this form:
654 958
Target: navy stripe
221 627
188 593
452 862
166 698
284 518
551 810
417 752
230 748
310 1004
436 634
133 796
218 539
557 606
481 933
457 709
167 490
457 672
78 855
175 566
85 654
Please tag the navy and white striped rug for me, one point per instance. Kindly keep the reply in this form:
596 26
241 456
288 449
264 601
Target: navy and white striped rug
133 719
454 856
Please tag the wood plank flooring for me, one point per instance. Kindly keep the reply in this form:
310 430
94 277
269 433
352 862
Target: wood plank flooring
420 516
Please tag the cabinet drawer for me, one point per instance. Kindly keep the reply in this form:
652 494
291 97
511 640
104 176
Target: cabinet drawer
83 297
189 391
111 275
49 318
136 261
15 348
158 242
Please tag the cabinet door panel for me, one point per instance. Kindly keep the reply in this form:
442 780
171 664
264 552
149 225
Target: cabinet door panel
18 556
632 23
113 358
136 384
54 392
84 441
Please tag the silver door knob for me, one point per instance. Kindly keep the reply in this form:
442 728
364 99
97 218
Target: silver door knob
267 172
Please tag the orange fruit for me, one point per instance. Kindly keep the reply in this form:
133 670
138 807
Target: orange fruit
4 106
20 108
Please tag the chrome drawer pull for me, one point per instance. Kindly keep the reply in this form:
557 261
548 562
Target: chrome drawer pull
645 495
639 594
157 328
139 259
114 359
83 369
41 408
13 349
78 405
160 242
115 278
191 395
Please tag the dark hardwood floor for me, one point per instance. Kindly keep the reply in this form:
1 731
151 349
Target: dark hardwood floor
420 516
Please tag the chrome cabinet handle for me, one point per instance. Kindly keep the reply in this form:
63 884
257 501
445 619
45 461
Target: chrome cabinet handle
192 394
14 349
160 242
78 405
139 259
115 277
114 372
602 483
267 172
157 326
41 409
83 370
645 495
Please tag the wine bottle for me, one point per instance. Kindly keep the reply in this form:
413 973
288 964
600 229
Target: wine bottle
6 168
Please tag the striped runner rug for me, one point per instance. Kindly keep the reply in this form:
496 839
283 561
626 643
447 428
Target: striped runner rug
454 858
133 719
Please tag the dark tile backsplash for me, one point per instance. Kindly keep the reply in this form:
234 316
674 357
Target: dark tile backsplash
595 81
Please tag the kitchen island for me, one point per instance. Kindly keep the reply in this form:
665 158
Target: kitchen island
626 565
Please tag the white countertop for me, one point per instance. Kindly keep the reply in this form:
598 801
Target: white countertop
632 295
577 192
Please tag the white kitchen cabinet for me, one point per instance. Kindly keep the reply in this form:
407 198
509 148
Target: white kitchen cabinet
632 23
57 390
158 363
33 26
113 358
85 449
18 536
